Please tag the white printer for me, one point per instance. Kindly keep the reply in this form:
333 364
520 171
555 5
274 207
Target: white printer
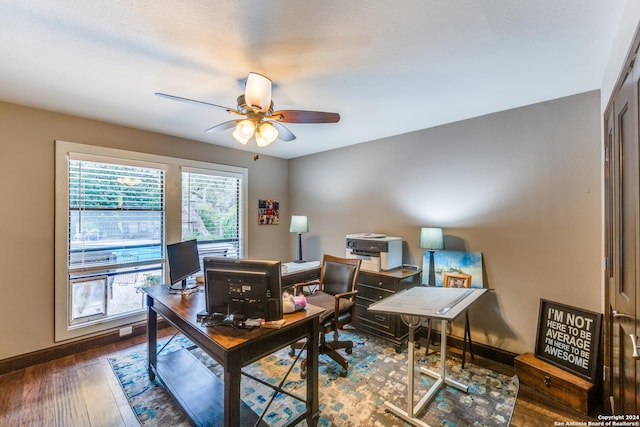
378 252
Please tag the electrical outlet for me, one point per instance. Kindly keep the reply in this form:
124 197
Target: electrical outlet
127 330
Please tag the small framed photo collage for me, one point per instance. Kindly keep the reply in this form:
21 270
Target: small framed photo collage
268 212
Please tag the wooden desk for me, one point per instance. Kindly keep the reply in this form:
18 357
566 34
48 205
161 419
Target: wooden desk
293 273
444 304
195 388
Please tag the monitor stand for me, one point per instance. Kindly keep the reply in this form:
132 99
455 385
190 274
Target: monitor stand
183 287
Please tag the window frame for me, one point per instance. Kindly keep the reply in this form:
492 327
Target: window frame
173 166
242 214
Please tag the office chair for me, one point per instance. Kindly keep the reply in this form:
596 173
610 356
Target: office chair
467 329
335 291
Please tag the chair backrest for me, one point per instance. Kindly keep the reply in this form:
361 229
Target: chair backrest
339 274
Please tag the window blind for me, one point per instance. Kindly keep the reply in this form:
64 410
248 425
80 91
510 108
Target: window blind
211 211
116 214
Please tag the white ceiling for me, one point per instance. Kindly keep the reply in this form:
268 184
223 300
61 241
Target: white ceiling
387 67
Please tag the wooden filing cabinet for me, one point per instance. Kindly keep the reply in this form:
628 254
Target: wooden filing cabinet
374 286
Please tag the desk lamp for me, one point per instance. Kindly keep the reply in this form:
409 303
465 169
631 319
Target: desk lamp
299 225
431 239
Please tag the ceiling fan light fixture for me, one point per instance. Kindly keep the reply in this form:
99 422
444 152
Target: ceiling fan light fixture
266 134
244 131
257 92
260 141
260 120
239 138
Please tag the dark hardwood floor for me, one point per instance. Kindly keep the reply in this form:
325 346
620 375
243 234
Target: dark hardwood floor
81 390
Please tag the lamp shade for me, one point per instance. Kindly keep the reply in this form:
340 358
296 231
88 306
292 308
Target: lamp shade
244 130
266 134
431 238
257 93
299 224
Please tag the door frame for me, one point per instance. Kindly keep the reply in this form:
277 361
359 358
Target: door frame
612 218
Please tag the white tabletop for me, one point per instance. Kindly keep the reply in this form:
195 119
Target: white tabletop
427 301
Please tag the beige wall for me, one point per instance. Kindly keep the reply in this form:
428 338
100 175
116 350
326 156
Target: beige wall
520 186
27 210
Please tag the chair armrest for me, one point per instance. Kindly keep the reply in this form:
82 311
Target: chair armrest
345 294
298 286
349 294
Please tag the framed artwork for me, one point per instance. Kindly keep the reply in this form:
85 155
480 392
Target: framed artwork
456 262
268 212
569 338
456 280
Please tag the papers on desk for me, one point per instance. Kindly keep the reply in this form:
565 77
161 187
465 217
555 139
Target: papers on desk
425 301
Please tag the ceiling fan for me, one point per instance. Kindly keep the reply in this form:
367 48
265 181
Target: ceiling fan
259 118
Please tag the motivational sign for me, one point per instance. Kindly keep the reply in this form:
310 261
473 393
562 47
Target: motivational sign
569 338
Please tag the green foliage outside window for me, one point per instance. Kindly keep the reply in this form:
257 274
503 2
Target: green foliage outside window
210 207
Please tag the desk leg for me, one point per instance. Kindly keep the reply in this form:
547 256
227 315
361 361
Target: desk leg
441 377
232 377
410 350
409 414
313 350
152 338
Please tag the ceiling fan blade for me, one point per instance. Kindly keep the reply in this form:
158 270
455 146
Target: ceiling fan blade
283 133
192 101
223 126
300 116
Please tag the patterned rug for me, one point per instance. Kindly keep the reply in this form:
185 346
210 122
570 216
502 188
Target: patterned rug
376 374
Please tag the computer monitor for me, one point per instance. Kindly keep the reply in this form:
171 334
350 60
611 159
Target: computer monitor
243 288
184 261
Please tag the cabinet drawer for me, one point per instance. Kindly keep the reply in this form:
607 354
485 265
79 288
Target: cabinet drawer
374 286
377 281
380 322
372 294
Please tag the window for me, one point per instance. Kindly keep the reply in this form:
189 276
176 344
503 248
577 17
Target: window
211 212
116 229
115 212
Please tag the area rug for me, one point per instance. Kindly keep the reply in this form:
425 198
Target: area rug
376 374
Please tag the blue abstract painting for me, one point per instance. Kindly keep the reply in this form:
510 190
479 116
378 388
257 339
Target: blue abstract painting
455 262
